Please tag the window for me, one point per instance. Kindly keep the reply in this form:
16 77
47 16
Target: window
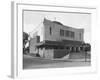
67 33
72 34
61 32
80 36
50 31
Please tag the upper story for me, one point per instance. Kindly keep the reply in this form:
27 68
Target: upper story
56 31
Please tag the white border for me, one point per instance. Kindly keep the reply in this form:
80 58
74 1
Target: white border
17 63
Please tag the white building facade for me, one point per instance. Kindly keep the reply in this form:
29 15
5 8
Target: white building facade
53 39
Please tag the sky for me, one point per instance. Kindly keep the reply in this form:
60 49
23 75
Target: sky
32 20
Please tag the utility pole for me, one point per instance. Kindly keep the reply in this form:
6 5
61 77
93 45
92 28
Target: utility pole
84 51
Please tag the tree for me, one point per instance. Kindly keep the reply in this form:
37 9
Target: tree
25 40
86 48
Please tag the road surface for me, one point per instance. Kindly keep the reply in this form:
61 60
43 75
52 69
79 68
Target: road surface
30 62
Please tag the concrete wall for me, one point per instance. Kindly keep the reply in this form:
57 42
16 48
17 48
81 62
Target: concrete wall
32 44
49 53
52 53
41 52
55 36
59 53
46 53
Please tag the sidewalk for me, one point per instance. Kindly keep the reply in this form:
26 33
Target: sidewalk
61 59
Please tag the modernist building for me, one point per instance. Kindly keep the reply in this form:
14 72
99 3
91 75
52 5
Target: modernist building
53 40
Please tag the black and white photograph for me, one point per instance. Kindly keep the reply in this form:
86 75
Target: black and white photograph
52 40
56 39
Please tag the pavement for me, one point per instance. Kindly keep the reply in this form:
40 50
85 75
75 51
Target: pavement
31 62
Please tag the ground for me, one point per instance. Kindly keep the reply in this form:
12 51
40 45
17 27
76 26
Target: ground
31 62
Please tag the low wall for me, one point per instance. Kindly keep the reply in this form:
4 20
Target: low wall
53 53
49 53
59 53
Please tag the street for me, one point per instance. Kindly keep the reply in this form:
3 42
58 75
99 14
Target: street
30 62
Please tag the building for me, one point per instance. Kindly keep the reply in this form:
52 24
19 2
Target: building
54 40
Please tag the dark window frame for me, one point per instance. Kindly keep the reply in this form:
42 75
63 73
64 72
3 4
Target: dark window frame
80 36
67 33
61 32
50 30
72 34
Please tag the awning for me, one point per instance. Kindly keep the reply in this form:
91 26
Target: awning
59 43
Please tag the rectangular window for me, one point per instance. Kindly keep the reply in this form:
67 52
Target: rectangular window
72 34
50 31
80 36
61 32
67 33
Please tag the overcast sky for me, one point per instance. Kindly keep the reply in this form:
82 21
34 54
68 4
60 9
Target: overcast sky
32 19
